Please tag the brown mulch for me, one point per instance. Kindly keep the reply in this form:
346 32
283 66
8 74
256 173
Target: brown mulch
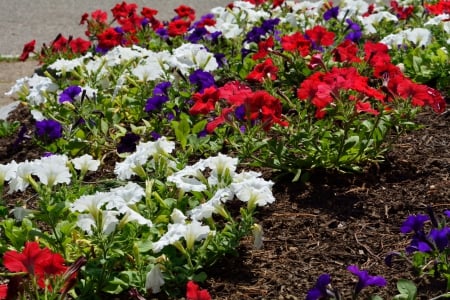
332 221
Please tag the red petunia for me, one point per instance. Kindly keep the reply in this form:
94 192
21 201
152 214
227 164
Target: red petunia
99 16
149 12
193 292
320 36
109 39
178 27
60 44
205 102
3 291
27 49
123 10
375 52
184 11
366 108
264 107
263 48
263 71
35 261
235 92
79 45
402 12
346 52
296 42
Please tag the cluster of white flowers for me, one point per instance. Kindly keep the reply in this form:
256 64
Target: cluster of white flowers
247 186
420 37
49 170
104 210
144 151
37 87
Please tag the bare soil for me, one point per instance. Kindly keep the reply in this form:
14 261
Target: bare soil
330 222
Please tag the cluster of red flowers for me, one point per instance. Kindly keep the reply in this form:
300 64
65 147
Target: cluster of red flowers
240 103
42 264
324 88
193 292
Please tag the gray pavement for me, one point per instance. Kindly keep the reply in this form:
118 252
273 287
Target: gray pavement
24 20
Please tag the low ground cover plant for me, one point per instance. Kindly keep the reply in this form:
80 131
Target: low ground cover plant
189 110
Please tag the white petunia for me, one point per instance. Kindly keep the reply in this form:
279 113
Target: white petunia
21 180
205 210
371 21
177 216
106 223
174 233
85 163
91 203
148 69
131 193
133 216
421 37
37 115
195 231
154 280
253 190
220 165
190 57
39 86
7 171
188 179
52 170
18 86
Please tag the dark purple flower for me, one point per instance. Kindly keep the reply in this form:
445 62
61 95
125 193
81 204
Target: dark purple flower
239 112
197 34
155 102
47 154
355 31
319 290
352 25
156 136
389 257
70 93
202 133
331 13
128 143
163 33
364 279
414 223
254 35
170 116
354 36
419 242
440 238
161 88
49 130
21 135
221 59
202 79
269 25
447 213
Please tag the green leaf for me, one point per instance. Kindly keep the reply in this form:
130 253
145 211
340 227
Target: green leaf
407 289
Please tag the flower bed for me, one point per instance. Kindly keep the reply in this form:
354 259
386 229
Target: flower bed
291 89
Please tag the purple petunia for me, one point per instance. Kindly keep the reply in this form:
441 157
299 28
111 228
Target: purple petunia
160 96
70 93
364 279
48 129
331 13
320 289
202 79
414 223
128 143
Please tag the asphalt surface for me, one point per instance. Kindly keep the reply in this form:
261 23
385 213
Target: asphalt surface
24 20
